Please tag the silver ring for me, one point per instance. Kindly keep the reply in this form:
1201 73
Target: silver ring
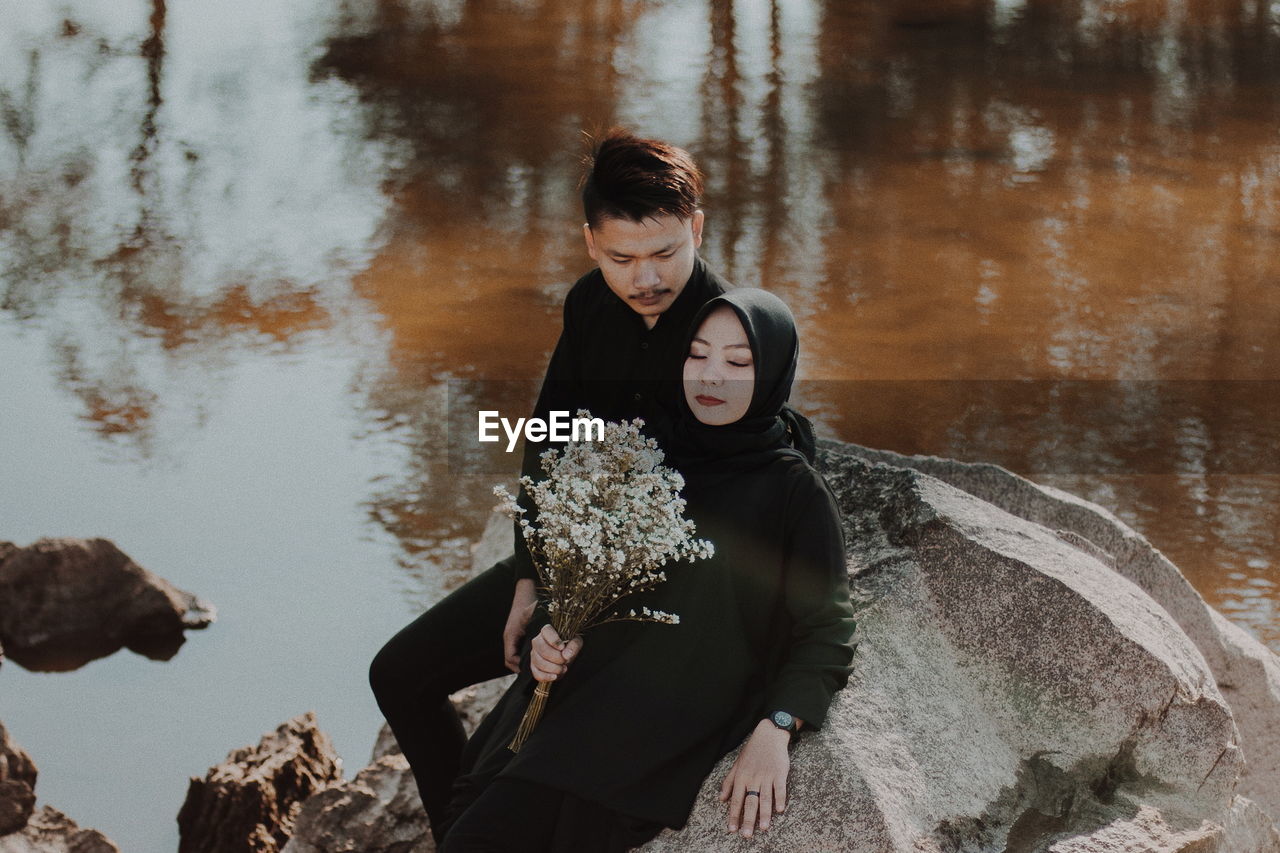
753 793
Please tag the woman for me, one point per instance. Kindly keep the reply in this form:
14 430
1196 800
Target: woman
763 643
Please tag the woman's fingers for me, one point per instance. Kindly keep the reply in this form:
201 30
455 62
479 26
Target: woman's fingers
550 655
752 805
765 815
543 671
726 787
549 636
735 806
750 810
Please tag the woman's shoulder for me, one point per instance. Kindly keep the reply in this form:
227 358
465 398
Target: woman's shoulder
792 466
803 484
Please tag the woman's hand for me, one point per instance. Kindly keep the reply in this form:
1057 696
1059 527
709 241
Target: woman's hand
761 767
551 655
523 601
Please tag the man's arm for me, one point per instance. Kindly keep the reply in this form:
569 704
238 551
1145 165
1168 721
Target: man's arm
561 390
523 603
560 386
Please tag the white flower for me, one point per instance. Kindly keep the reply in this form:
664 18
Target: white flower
609 515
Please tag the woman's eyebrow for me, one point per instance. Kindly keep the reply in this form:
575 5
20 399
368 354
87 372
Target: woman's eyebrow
698 340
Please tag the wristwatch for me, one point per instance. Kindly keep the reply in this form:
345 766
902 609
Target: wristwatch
784 720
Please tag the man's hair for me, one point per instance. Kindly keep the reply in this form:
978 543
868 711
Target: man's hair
627 177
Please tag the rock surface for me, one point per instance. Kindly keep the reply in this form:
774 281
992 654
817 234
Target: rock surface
69 601
1246 672
376 812
250 801
17 785
380 810
50 831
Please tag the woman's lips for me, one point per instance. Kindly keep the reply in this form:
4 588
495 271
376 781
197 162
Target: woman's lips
708 401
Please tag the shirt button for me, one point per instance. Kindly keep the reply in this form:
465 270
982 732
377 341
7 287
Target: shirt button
644 345
638 396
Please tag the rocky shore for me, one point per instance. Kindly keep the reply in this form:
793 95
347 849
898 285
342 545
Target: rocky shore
1032 676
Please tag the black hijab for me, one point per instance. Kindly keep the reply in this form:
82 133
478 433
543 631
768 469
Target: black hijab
763 433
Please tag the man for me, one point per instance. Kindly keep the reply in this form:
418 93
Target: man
624 329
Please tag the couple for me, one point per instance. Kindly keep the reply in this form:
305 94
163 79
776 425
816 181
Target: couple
642 712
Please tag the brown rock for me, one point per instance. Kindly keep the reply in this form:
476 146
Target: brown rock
69 601
377 812
17 785
249 802
50 831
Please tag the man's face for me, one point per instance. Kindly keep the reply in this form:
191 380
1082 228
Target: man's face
646 264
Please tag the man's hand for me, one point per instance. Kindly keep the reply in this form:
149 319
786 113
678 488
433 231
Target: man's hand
761 768
522 604
551 655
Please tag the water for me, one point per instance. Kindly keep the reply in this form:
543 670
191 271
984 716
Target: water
256 258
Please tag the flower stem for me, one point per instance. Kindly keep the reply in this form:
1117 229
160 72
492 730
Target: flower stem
531 716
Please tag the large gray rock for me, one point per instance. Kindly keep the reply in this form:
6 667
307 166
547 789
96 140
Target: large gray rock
17 785
69 601
50 831
250 801
1012 692
1246 672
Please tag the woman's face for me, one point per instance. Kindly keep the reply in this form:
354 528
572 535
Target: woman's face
719 373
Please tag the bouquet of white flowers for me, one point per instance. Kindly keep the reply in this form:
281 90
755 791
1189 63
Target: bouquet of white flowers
610 516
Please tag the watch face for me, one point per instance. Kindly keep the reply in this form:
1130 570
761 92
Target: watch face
783 720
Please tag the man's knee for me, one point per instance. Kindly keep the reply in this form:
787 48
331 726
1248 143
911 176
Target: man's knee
384 674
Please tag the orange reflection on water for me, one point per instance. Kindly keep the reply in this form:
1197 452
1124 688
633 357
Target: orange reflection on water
278 317
956 191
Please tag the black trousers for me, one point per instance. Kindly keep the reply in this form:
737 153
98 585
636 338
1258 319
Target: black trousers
455 644
516 816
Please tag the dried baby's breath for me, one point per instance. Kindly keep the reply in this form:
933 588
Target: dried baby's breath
609 517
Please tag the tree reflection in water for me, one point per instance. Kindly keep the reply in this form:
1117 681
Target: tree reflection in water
944 191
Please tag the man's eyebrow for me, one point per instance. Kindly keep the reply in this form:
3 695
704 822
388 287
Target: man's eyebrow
671 247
